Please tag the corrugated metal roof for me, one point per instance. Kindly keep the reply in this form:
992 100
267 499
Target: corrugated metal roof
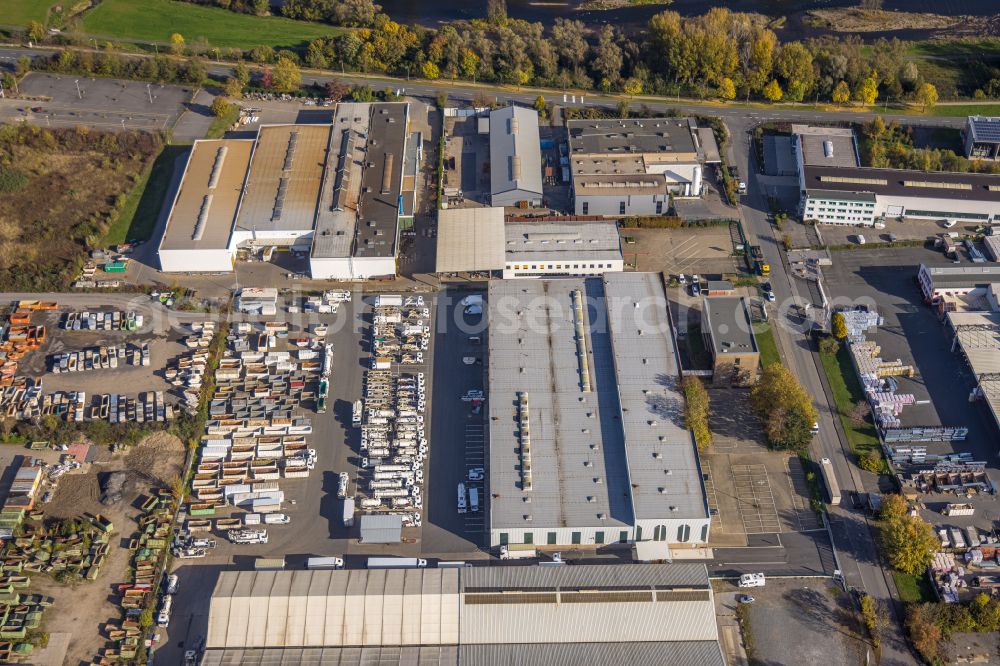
381 528
555 241
434 655
470 239
686 653
586 575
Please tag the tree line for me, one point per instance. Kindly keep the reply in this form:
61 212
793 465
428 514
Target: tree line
351 13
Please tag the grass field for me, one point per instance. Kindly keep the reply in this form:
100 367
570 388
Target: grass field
847 392
156 20
967 110
767 345
913 589
20 12
137 220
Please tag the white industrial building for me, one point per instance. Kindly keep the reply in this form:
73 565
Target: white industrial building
335 190
834 189
587 438
633 166
480 240
560 249
197 237
515 157
942 282
642 614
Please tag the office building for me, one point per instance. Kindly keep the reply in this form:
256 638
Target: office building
728 333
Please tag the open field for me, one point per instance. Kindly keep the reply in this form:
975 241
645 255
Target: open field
20 12
138 218
846 392
59 197
157 20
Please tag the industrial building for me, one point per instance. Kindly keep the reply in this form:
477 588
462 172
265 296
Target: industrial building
940 283
633 166
470 240
358 218
480 240
728 333
587 438
335 190
977 337
515 157
197 237
554 249
982 138
642 614
835 190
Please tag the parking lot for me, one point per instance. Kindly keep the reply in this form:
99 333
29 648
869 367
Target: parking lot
909 229
752 491
797 621
707 251
101 103
470 171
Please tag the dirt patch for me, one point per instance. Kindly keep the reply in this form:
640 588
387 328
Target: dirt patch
70 185
852 19
83 608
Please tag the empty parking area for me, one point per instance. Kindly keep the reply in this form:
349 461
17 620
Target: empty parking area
802 514
706 251
756 502
102 103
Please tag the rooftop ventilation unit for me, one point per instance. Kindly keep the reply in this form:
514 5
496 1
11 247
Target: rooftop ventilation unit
199 226
220 158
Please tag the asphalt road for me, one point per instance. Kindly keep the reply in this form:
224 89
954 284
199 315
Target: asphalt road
853 534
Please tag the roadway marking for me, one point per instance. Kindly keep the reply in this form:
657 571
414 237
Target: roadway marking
753 492
805 517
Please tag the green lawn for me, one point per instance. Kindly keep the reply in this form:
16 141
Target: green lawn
138 218
766 344
967 109
221 124
913 589
157 20
847 392
19 12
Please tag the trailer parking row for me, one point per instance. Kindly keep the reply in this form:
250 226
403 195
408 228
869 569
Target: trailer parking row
99 358
113 320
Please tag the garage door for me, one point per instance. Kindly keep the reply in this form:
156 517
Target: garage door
894 211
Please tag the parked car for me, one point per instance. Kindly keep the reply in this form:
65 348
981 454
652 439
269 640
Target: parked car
745 599
769 295
474 310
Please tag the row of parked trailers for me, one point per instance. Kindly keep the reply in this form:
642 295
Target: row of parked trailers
255 434
391 416
114 320
104 357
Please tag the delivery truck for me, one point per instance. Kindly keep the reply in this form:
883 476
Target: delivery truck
395 562
830 479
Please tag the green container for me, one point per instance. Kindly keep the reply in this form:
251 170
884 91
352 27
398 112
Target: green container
114 267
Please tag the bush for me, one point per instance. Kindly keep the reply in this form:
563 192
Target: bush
829 345
872 462
696 411
12 180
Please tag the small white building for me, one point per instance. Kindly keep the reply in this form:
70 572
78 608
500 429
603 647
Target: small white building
258 300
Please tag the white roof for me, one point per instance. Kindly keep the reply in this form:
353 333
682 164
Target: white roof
515 151
470 239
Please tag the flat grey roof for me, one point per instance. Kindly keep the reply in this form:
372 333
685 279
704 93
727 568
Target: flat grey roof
729 325
610 433
577 450
382 181
381 528
631 135
337 214
283 187
358 211
974 275
470 239
591 576
515 151
904 183
548 241
210 188
668 486
827 146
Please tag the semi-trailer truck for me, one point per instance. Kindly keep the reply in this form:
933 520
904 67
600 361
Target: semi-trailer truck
396 562
830 479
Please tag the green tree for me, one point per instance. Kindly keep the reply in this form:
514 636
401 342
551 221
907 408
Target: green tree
632 86
871 461
623 109
696 411
194 71
909 542
873 617
867 90
220 106
316 55
177 43
926 96
785 407
36 31
286 77
841 93
727 89
772 91
541 106
430 70
986 612
232 87
242 74
839 326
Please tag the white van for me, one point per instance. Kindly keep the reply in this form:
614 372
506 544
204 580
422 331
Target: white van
474 500
461 498
861 239
472 299
752 580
